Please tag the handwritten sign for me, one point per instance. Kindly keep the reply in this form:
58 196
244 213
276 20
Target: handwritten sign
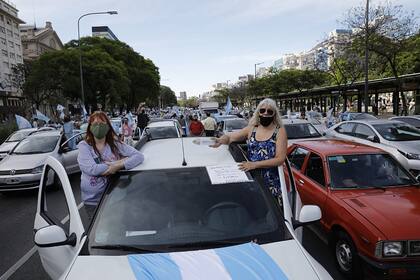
225 174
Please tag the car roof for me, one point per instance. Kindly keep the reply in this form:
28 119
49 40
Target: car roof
410 117
372 122
329 147
167 153
162 123
294 121
46 133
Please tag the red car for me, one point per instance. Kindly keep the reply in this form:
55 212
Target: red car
370 206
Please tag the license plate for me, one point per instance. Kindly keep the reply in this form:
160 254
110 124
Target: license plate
12 181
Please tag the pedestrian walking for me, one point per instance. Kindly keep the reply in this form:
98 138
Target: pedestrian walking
101 154
210 125
196 127
127 132
267 144
142 120
183 124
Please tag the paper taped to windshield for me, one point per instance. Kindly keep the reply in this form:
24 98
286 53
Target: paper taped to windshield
225 174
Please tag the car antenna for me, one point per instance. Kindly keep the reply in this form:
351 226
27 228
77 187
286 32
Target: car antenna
184 163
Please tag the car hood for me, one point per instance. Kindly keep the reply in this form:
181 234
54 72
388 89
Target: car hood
7 146
235 262
407 146
23 161
392 212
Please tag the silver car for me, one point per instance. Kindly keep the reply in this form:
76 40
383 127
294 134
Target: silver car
297 130
17 136
230 125
22 168
397 138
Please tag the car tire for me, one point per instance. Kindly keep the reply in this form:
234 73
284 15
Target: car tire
346 256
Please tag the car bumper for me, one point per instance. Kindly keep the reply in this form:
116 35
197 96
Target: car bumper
20 182
391 270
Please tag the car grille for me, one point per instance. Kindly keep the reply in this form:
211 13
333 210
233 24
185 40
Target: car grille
414 248
17 172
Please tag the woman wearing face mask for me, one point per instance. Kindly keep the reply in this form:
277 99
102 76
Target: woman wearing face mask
267 143
101 154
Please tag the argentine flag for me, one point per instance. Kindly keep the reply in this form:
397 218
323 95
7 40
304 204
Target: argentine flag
241 262
22 122
41 116
228 106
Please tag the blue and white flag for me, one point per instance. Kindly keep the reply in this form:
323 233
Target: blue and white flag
84 113
22 122
130 119
242 262
228 107
41 116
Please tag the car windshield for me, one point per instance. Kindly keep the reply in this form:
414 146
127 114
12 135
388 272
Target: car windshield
301 130
367 170
162 132
179 209
18 135
398 131
36 145
236 124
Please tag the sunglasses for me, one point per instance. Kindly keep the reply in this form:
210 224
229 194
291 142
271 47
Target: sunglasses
269 111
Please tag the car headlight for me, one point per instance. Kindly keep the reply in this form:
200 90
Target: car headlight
410 155
38 169
393 249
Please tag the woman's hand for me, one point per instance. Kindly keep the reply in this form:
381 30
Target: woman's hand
247 165
220 141
114 167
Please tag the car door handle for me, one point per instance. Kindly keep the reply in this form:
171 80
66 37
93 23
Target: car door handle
301 182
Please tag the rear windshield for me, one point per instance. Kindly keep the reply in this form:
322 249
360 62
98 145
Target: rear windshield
162 132
398 131
179 209
235 124
301 130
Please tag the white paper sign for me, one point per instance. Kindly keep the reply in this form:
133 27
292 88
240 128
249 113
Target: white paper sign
225 174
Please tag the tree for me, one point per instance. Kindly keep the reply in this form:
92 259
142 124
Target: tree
387 33
167 97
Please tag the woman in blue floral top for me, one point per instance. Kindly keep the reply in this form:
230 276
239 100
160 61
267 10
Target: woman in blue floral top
267 143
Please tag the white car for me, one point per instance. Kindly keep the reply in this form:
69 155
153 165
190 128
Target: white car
22 168
397 138
162 129
178 215
17 136
413 120
298 130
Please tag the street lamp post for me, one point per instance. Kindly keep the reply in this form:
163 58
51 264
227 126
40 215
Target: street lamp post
366 95
80 50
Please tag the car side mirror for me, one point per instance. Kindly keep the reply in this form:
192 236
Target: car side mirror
53 236
418 178
308 215
373 138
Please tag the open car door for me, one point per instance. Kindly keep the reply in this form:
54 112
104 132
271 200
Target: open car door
58 227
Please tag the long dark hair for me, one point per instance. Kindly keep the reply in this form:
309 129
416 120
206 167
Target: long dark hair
111 138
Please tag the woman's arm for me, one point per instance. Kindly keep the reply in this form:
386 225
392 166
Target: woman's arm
232 137
132 157
86 162
280 157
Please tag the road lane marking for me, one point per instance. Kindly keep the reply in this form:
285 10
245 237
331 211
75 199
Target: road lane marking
29 254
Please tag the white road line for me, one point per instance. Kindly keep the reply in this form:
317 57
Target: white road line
29 254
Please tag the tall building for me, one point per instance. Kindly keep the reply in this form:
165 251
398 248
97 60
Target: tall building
183 95
11 55
103 32
36 41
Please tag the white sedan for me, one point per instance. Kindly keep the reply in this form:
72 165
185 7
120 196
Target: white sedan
298 130
169 220
397 138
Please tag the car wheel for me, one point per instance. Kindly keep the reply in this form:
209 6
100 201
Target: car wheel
346 256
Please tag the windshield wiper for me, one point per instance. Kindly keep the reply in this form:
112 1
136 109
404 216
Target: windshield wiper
209 243
126 248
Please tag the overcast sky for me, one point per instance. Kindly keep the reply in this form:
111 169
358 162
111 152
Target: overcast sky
194 43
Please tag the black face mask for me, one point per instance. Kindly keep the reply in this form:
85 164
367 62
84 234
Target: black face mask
266 121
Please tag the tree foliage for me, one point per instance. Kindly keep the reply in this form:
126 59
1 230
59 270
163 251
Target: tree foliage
167 97
113 74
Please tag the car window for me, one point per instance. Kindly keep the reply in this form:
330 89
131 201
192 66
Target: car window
315 169
301 130
367 170
18 135
162 132
236 124
73 141
36 145
396 131
345 128
297 157
363 131
410 121
180 208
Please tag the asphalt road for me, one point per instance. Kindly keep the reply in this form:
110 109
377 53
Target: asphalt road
16 234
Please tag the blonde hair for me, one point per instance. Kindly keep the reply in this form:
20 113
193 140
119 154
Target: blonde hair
270 103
